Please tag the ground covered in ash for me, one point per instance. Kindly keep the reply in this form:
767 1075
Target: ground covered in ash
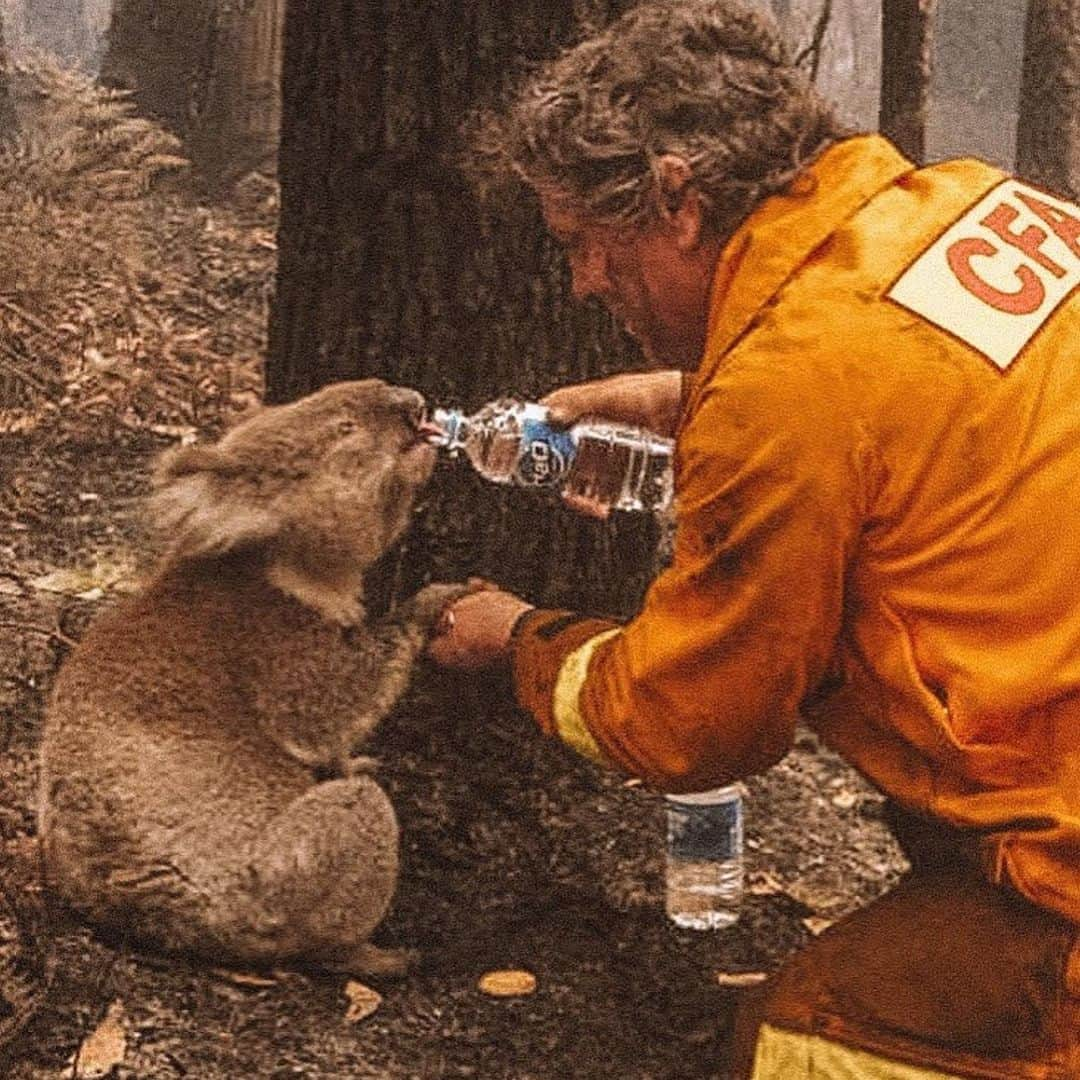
140 321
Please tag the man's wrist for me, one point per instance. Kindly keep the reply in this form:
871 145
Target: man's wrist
519 625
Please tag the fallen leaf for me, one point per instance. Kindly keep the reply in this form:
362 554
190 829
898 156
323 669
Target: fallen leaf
762 883
741 978
60 581
510 983
103 576
816 924
17 422
363 1001
104 1048
243 978
184 432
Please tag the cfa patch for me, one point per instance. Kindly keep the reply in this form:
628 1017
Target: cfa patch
996 275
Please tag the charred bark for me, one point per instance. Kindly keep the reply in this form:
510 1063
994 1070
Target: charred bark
1048 134
63 27
154 49
906 60
209 70
238 110
389 268
9 124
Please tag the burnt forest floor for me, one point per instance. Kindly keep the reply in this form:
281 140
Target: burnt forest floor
515 854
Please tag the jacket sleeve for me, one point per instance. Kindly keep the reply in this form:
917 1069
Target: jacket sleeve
704 685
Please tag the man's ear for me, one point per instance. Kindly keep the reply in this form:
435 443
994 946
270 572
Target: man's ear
678 200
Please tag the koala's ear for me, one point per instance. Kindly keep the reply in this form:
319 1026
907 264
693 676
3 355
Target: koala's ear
204 504
186 460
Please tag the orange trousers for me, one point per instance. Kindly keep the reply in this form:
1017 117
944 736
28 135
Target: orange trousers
945 976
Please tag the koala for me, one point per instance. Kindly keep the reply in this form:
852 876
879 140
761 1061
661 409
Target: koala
202 790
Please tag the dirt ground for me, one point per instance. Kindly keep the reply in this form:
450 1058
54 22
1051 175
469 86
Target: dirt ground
515 854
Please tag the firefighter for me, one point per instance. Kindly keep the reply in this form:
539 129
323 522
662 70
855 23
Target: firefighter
872 372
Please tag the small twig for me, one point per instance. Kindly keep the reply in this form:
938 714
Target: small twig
30 628
814 48
14 365
26 317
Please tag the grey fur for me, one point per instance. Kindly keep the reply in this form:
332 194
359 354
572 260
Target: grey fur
201 789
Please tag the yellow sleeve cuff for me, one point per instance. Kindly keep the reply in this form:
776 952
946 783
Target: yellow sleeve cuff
569 725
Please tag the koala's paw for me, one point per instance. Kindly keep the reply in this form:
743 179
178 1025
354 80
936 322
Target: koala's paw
427 606
368 959
360 765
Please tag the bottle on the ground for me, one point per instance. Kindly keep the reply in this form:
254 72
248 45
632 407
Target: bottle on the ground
704 867
612 466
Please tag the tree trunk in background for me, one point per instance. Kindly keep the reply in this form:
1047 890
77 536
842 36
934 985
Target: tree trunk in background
238 117
210 70
388 268
8 123
63 27
73 30
155 48
1048 133
906 51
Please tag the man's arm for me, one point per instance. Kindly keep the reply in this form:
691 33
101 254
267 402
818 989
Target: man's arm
704 686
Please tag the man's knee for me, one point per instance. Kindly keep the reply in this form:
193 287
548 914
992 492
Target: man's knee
943 973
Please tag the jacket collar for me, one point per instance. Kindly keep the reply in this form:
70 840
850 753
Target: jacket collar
781 233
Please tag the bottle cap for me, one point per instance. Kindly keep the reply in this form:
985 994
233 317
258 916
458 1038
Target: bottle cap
447 428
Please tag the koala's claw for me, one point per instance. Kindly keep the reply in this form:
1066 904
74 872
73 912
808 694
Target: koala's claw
368 959
428 605
360 765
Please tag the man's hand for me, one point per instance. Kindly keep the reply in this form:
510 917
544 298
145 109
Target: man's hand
474 632
648 399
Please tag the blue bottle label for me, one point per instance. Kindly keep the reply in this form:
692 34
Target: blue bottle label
546 453
705 833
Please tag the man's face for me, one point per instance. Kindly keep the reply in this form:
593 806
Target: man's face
643 276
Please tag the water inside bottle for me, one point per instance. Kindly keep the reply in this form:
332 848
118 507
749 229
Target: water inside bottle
703 895
497 452
491 439
704 868
624 468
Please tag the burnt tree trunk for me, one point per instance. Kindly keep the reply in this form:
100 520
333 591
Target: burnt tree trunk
906 50
9 124
63 27
1048 134
208 69
155 49
388 268
238 113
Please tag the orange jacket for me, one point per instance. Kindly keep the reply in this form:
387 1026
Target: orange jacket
878 502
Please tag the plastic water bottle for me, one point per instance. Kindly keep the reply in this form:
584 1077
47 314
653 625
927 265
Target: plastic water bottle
512 442
704 872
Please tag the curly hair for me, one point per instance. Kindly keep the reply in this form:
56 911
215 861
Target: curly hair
707 80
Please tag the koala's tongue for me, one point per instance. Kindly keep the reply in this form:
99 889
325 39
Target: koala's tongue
429 431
